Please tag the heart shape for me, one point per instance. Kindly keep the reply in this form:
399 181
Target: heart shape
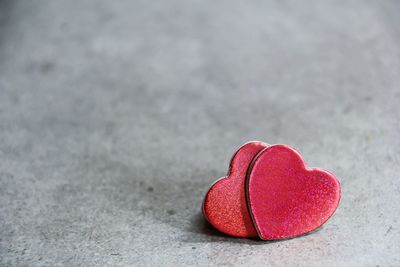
285 198
225 204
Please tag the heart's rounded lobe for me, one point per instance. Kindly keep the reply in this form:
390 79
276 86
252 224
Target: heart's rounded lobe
225 204
285 198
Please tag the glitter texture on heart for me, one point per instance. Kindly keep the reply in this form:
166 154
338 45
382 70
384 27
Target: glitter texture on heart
270 193
225 204
285 198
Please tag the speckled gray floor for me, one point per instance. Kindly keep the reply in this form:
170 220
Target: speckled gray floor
116 116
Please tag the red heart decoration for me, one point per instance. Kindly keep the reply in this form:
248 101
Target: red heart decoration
225 205
285 198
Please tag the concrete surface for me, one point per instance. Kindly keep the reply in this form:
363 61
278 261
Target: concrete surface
116 116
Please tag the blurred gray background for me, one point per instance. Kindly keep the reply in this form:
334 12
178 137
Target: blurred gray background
116 116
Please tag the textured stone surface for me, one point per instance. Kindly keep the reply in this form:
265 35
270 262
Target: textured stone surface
116 116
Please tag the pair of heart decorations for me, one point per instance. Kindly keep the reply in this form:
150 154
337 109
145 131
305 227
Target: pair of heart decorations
270 193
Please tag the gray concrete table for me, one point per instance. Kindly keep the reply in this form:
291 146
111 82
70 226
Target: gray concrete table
116 116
